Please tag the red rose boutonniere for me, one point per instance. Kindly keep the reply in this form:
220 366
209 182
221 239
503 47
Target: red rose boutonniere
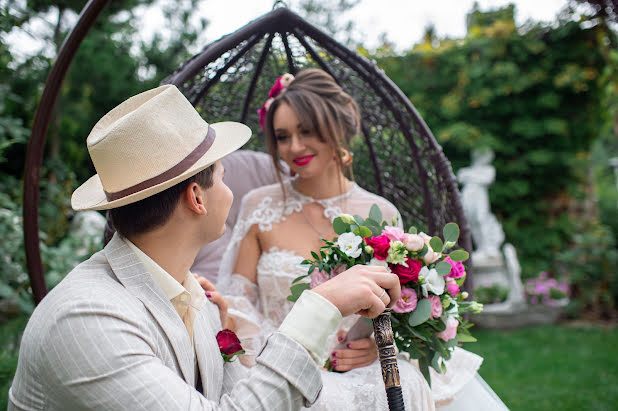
229 345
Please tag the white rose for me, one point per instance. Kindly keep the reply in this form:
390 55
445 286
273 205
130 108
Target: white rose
434 282
350 243
431 256
379 263
414 242
347 218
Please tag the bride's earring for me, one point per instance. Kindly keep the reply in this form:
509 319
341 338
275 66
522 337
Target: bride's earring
347 157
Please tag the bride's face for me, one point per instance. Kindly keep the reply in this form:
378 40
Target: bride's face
299 147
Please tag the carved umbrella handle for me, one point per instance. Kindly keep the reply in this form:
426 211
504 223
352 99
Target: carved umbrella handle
388 360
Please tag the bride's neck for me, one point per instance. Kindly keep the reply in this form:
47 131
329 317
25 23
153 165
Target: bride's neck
327 185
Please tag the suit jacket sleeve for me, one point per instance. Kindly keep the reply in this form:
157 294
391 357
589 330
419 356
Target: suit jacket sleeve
97 356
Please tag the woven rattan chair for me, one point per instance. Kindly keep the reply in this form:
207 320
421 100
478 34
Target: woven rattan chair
396 155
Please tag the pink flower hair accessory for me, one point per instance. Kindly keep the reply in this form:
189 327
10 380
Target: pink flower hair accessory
280 85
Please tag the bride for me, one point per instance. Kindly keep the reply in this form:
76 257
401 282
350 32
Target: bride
309 120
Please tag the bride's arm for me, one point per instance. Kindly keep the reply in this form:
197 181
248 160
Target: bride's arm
249 252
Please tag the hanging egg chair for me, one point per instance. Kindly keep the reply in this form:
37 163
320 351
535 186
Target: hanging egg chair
395 156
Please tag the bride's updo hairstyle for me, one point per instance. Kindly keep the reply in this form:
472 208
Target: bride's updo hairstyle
321 105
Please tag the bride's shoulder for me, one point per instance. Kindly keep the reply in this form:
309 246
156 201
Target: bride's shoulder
258 194
368 198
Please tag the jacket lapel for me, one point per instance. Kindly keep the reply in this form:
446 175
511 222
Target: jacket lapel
136 279
209 359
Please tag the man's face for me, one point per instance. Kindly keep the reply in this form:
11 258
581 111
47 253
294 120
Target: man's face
218 202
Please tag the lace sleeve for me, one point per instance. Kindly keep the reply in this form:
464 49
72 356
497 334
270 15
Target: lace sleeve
252 328
242 295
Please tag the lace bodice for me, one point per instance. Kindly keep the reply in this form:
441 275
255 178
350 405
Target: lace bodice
274 203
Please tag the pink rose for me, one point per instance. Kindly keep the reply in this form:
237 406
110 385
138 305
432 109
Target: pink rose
380 245
413 242
317 278
338 270
409 273
431 256
451 330
436 306
451 287
393 233
425 237
406 302
457 269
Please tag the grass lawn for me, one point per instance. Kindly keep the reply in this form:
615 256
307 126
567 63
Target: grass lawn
558 367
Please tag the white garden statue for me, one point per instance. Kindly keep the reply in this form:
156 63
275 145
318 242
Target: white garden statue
487 232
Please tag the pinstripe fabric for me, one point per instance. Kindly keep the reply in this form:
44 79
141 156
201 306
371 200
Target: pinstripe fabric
107 337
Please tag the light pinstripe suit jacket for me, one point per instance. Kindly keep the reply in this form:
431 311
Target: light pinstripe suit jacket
108 338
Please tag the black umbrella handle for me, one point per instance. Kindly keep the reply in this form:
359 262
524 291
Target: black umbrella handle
388 360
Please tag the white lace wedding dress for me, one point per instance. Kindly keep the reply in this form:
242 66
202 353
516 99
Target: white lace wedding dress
258 310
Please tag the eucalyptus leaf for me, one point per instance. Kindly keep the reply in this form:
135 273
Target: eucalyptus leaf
423 365
412 230
300 277
421 313
436 244
424 250
451 232
365 232
375 213
459 255
435 362
296 290
359 220
339 226
443 268
465 338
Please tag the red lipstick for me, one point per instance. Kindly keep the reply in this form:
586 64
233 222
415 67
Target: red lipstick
304 160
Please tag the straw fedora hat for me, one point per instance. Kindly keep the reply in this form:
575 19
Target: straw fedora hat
149 143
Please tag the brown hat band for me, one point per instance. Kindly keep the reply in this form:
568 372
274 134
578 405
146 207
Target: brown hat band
173 172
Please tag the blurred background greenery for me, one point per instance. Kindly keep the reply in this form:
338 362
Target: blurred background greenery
544 97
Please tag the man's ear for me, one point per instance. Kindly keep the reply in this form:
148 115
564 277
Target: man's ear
195 198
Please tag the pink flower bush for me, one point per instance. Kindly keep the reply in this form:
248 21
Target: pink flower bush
409 273
393 233
451 330
406 302
436 306
380 245
451 287
457 269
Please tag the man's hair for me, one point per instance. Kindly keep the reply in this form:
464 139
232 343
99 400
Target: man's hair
154 211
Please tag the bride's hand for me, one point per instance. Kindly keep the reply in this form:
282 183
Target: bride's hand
213 295
359 353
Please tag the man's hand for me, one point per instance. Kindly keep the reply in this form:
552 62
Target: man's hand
360 290
213 295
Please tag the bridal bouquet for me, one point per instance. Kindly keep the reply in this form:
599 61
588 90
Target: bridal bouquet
427 319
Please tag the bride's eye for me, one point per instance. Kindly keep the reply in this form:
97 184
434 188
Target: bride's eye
281 137
306 132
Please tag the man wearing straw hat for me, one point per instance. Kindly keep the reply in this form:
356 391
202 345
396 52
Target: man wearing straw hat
131 328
